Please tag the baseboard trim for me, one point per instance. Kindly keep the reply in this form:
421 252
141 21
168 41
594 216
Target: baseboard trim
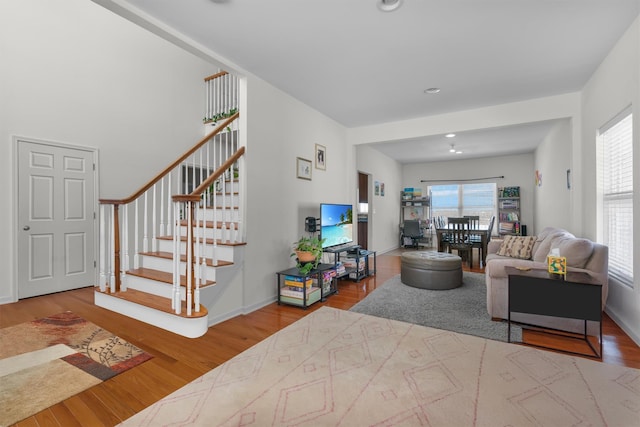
627 330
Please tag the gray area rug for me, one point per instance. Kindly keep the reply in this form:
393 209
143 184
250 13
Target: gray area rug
462 309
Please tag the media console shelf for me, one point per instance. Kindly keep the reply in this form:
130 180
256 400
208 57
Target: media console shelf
302 290
356 260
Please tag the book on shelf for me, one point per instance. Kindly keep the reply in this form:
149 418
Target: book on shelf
508 204
298 281
307 284
505 227
299 301
297 292
508 216
351 263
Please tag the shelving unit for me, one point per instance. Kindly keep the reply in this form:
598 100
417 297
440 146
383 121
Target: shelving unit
356 263
416 206
509 211
302 290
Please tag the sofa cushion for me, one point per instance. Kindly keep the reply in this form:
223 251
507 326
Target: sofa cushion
517 246
545 240
576 250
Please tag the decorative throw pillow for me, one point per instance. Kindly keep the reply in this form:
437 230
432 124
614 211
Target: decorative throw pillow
517 246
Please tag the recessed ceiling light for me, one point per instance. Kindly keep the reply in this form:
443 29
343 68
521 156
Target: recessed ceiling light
452 149
389 5
432 90
450 135
458 152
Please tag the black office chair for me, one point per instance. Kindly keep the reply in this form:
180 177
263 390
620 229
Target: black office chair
411 230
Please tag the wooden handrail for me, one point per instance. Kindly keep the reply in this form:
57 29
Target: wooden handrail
215 76
226 122
226 165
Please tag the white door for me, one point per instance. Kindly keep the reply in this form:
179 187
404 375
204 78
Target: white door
56 202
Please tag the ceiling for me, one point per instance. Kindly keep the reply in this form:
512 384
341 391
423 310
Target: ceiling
361 66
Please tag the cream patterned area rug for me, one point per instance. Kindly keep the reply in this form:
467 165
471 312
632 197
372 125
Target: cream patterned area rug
336 367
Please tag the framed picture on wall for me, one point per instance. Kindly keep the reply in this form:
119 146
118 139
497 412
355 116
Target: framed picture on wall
303 168
321 157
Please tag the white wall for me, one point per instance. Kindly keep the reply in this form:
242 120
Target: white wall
612 88
517 171
384 211
280 129
552 199
75 73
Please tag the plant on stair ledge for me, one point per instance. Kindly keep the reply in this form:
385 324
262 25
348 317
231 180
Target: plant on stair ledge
308 251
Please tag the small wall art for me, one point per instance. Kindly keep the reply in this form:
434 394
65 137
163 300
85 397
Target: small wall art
538 177
303 168
321 157
376 188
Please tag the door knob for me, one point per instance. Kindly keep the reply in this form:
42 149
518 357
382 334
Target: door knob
26 228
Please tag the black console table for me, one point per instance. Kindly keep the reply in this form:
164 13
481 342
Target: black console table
577 297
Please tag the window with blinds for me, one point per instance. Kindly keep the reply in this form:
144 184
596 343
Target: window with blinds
466 199
615 155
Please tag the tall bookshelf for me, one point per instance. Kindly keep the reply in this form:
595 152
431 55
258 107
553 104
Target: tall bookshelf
509 211
414 205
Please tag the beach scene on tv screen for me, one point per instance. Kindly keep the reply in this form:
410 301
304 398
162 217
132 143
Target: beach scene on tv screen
337 224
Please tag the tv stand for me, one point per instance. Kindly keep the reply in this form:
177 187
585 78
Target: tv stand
357 258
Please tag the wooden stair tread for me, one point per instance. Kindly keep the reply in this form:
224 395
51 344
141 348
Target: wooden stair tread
207 241
209 224
156 302
235 208
162 276
183 258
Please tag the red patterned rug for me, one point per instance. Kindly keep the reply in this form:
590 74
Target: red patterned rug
48 360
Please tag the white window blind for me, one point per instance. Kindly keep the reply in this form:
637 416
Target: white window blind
466 199
616 180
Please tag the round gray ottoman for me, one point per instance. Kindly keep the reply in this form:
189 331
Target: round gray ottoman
431 270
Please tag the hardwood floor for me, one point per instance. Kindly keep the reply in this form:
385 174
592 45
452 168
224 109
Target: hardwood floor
179 360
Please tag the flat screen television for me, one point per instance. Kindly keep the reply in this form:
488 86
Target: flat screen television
336 224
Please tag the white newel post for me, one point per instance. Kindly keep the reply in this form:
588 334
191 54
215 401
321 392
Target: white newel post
103 249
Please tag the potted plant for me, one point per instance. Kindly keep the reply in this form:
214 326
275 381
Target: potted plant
308 251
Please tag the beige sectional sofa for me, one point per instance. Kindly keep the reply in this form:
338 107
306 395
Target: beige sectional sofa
582 255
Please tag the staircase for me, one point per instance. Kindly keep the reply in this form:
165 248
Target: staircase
164 249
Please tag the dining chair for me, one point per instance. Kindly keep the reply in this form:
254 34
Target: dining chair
474 221
476 239
474 224
459 238
441 223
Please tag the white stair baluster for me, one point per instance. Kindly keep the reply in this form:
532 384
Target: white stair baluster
136 236
154 221
145 226
169 205
189 256
177 304
125 247
199 261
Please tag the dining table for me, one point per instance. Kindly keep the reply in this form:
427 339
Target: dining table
482 231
